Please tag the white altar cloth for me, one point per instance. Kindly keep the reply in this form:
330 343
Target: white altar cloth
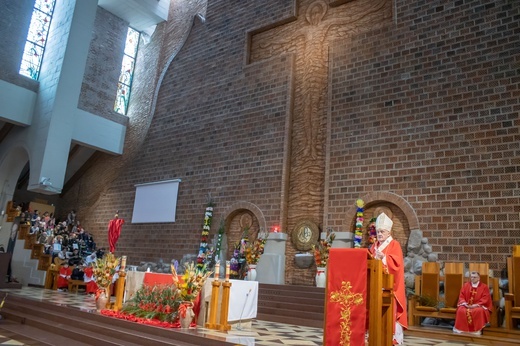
243 299
243 296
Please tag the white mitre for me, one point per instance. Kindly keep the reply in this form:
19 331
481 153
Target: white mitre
383 222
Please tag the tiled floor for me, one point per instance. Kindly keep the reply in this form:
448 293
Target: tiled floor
262 333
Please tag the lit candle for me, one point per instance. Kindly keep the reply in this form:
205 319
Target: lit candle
123 263
217 270
227 270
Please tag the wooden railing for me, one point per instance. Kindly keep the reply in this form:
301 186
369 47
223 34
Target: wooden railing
37 250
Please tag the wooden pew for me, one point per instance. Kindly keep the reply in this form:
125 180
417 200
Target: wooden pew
453 281
427 285
512 313
74 285
426 288
492 283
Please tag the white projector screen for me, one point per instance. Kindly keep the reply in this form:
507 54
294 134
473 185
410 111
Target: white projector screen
155 202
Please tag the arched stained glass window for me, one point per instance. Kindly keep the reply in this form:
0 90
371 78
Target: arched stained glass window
127 72
37 38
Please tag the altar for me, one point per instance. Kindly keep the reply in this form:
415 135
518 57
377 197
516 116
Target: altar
135 280
243 303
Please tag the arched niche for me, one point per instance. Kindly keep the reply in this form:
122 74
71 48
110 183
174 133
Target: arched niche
402 214
239 216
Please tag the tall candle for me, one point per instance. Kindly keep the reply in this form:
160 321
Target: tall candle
227 270
217 270
123 263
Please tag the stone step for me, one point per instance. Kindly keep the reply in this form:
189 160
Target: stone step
293 299
295 320
299 305
72 328
92 328
304 308
290 313
286 289
36 336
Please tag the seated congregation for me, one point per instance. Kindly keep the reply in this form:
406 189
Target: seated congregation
72 248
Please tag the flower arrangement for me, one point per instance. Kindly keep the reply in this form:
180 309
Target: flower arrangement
155 302
104 269
203 248
192 281
236 268
254 250
321 249
235 263
358 233
372 234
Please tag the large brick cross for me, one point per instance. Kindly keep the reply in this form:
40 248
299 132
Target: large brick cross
308 36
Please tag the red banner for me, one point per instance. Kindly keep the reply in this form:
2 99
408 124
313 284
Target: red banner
346 298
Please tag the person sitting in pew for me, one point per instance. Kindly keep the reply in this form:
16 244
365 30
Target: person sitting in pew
63 279
474 306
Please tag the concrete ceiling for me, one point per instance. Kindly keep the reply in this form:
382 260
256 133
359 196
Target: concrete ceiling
142 15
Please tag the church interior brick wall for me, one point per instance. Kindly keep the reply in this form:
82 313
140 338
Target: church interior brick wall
427 108
423 105
219 127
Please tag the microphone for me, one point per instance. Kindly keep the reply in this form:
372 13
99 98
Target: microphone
239 326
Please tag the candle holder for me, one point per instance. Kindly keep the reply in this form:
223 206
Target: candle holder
224 307
213 306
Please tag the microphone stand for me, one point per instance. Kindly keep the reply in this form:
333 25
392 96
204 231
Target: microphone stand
239 326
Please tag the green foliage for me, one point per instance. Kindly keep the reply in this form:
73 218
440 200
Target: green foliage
426 301
157 302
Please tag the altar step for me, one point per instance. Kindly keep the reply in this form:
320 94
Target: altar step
299 305
49 324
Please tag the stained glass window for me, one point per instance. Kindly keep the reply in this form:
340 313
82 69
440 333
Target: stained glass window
127 72
37 38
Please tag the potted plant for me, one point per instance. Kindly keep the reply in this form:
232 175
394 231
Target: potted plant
321 256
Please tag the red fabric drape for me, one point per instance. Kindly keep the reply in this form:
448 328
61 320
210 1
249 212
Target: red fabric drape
114 231
346 294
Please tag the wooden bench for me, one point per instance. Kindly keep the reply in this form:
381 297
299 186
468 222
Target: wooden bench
483 270
427 285
512 299
74 285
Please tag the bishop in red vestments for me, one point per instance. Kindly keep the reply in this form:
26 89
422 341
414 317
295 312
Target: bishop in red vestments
474 306
389 251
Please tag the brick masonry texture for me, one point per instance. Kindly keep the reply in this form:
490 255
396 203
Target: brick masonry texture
427 108
424 107
421 117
